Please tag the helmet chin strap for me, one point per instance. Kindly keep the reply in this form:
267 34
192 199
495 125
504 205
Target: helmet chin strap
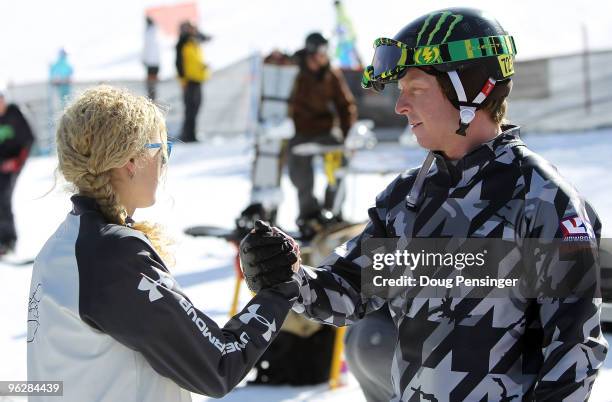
467 110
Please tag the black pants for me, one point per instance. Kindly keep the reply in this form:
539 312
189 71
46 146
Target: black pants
8 234
192 97
370 344
152 72
301 173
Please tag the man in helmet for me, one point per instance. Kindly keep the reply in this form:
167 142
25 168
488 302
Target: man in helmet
319 96
480 184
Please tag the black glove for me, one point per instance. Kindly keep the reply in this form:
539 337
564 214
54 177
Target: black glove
267 256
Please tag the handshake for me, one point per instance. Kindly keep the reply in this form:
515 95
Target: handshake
268 257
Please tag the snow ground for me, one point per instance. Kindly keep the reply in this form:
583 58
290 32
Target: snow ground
209 184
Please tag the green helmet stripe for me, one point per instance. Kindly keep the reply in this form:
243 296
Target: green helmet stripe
424 28
456 19
443 17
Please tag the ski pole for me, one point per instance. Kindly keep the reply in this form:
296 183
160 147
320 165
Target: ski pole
234 306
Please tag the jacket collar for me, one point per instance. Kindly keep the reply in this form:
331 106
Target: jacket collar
446 173
82 204
483 153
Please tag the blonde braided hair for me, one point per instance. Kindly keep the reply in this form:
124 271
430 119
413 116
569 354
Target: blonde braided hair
103 129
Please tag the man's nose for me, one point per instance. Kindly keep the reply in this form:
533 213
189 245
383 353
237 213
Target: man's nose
402 106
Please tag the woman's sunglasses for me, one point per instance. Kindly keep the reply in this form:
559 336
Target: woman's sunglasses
159 145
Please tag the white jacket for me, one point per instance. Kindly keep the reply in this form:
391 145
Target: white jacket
150 52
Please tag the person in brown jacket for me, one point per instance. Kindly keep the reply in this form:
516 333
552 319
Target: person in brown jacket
320 96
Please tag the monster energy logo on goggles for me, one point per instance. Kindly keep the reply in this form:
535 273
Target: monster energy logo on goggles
391 57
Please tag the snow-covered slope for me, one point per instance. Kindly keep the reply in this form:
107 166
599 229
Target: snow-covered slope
209 184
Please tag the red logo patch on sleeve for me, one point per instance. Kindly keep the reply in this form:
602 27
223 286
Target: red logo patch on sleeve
574 228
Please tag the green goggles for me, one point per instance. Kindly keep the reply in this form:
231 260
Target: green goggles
392 57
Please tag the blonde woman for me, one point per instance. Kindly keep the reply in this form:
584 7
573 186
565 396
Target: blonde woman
106 316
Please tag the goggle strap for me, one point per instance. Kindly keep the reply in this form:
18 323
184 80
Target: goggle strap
460 50
448 52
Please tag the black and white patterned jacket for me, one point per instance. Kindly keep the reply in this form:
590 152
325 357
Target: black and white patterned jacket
487 348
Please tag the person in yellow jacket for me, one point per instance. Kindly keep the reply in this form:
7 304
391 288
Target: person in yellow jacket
192 72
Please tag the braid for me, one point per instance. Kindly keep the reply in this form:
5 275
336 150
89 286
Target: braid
100 188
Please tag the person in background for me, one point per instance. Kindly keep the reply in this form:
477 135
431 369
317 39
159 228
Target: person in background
192 72
346 40
60 75
15 142
320 95
150 57
278 58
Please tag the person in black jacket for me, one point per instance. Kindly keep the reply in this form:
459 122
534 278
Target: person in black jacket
15 141
106 315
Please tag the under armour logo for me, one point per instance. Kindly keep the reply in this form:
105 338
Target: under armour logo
149 285
252 313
